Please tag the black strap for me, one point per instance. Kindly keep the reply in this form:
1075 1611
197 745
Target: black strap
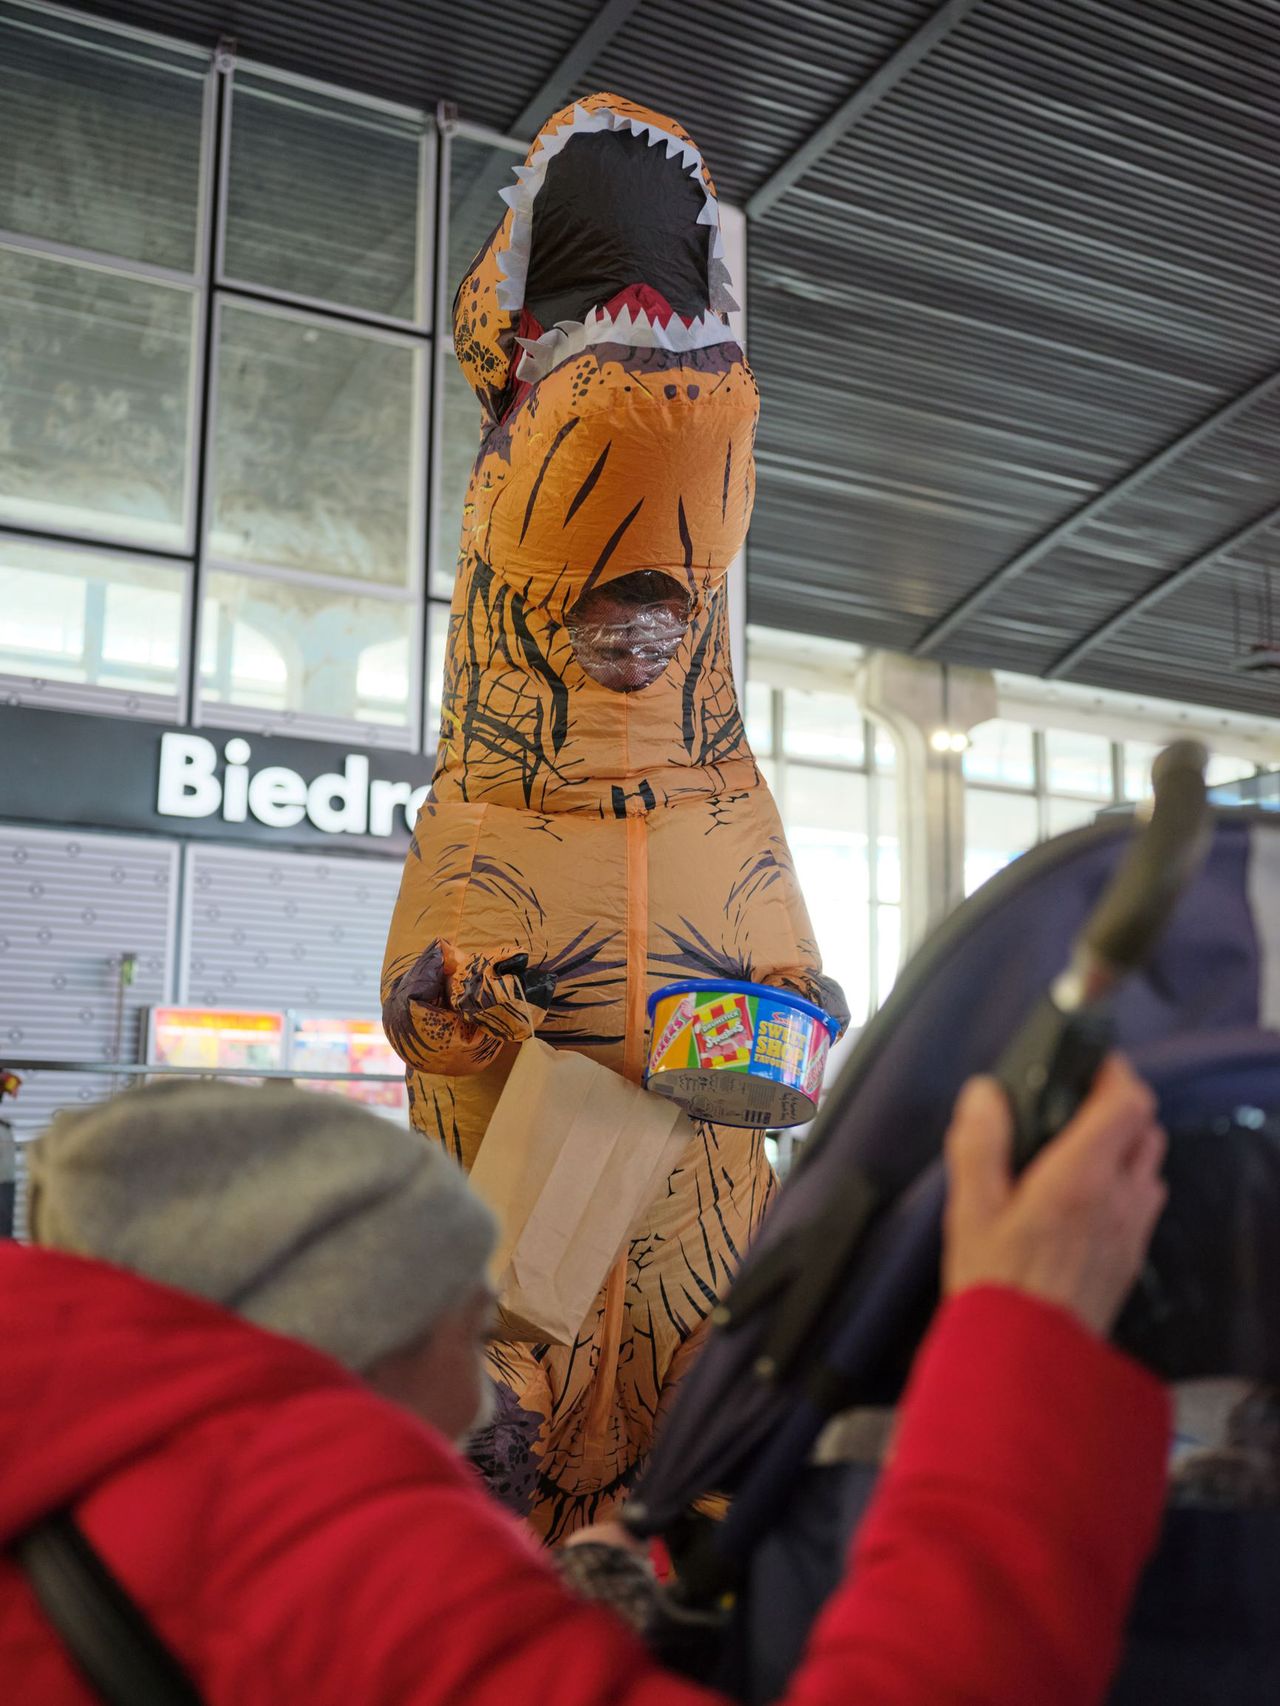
104 1629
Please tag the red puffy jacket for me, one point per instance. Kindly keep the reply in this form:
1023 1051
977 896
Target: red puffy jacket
296 1539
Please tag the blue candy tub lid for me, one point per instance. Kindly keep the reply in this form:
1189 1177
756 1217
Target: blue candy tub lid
729 986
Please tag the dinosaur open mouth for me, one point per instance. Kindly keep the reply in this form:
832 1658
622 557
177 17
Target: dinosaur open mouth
625 634
606 203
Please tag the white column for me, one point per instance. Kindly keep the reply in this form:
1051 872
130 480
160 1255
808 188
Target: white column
733 225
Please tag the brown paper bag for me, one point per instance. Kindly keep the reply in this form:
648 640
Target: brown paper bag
571 1158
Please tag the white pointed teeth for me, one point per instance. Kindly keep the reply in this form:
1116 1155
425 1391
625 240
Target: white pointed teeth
677 334
631 330
513 260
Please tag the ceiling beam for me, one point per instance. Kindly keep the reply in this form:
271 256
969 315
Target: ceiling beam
858 103
1041 546
1154 595
556 88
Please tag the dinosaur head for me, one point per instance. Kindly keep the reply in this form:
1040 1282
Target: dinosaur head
613 201
619 410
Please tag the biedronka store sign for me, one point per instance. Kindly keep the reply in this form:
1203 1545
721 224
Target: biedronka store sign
192 784
117 773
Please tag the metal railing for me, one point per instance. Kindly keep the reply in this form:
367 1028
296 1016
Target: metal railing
13 1181
152 1069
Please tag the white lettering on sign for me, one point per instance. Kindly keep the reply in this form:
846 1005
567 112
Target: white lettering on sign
235 781
189 786
352 788
344 802
384 797
278 797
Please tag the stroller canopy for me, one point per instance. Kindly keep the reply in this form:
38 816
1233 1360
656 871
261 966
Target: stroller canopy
1201 1020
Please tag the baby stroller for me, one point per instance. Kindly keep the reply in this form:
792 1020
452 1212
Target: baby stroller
1171 940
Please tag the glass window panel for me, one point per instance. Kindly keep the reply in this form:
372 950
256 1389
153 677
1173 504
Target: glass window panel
437 642
1139 756
285 647
317 445
1223 768
95 376
888 950
1003 752
382 675
822 725
476 175
826 823
888 852
997 828
458 448
1077 763
768 768
827 800
757 709
1062 815
101 139
832 872
323 199
68 615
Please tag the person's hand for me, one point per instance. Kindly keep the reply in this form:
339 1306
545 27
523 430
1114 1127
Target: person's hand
1074 1229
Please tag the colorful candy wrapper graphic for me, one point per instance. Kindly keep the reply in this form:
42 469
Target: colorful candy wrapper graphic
723 1034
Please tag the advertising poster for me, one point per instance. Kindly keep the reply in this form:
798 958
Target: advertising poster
204 1037
323 1044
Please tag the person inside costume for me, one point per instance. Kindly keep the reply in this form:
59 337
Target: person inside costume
597 825
225 1280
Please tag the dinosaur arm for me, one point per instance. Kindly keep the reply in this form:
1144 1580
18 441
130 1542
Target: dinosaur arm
450 1013
813 986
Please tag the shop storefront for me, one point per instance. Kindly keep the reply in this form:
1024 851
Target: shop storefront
145 868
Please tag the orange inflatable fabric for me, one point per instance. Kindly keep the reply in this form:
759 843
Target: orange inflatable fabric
597 825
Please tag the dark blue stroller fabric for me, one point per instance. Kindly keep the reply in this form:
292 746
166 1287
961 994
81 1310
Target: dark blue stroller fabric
1203 1022
1202 1633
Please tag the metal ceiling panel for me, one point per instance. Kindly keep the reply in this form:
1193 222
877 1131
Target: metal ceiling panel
1201 632
1050 249
487 56
749 82
1134 544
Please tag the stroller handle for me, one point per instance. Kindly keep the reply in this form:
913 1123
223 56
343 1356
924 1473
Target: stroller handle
1049 1067
1133 911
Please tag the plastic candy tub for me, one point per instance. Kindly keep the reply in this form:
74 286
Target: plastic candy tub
740 1054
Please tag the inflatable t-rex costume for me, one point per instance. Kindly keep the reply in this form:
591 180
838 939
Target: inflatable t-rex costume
597 825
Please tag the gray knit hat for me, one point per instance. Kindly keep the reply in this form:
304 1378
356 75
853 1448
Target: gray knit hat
304 1213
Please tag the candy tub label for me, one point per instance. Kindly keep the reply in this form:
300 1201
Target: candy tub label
739 1055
